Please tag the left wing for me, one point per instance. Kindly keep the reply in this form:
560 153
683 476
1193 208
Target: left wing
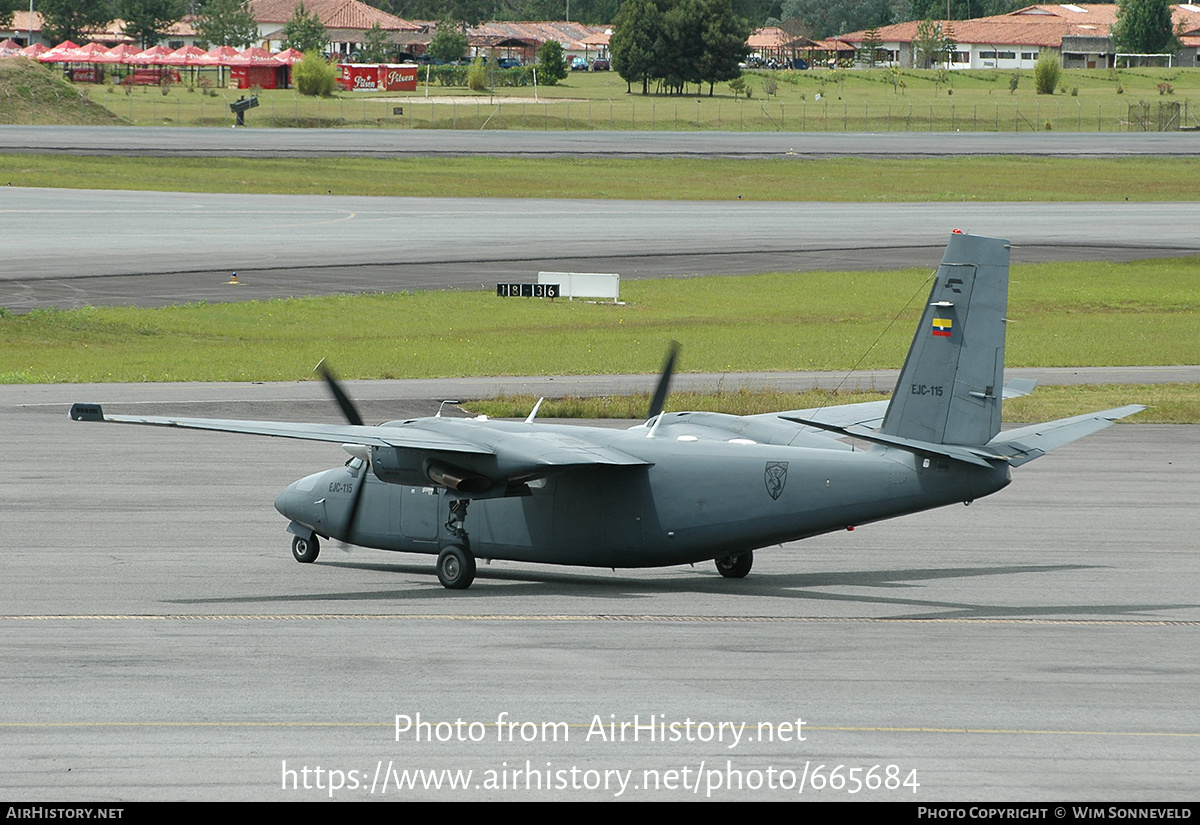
337 433
447 452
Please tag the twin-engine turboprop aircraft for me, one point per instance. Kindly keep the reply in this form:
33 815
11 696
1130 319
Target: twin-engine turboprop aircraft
682 487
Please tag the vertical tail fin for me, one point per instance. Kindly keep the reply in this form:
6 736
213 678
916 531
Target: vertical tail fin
950 389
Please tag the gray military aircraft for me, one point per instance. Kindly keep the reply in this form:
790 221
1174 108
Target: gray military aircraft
687 486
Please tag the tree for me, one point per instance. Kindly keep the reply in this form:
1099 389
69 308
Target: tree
7 7
634 42
69 19
936 9
871 44
825 18
724 44
375 47
552 65
148 20
682 46
305 32
1143 27
227 23
930 43
449 44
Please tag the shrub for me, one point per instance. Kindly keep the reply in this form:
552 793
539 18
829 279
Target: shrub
551 62
1046 73
1013 82
315 76
477 76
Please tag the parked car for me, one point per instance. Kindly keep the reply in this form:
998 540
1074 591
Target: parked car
508 63
601 64
579 64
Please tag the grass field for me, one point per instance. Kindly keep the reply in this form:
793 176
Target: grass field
1061 315
784 179
1169 403
814 100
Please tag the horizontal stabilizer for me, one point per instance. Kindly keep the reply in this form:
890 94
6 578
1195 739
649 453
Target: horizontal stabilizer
1018 387
969 455
1024 444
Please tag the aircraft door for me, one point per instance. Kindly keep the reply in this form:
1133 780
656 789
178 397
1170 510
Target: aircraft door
419 513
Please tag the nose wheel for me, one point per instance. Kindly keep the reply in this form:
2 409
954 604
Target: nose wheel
306 550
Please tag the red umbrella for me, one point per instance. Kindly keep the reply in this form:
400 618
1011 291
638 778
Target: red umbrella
222 55
89 53
151 57
187 56
59 54
119 54
34 50
9 48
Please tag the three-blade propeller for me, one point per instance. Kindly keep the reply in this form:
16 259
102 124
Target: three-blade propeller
352 417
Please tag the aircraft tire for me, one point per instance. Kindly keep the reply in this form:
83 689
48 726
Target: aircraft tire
306 550
456 568
736 567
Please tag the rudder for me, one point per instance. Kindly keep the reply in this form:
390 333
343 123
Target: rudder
950 389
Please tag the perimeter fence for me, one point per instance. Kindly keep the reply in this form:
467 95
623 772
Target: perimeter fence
637 114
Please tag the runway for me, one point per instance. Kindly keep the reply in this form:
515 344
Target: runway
160 642
69 248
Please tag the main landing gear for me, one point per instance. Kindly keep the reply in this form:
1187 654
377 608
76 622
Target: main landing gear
456 563
736 567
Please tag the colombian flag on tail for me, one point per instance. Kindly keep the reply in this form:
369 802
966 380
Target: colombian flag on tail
941 327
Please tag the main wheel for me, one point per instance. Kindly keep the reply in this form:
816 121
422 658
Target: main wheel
456 568
736 567
306 550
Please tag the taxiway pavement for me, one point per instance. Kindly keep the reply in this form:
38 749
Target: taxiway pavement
160 642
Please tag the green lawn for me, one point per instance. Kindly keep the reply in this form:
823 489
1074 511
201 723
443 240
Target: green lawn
1061 315
783 179
814 100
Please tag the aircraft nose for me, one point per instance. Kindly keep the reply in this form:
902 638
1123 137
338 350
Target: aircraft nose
296 502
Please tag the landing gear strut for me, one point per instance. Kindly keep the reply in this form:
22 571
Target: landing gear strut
736 567
456 563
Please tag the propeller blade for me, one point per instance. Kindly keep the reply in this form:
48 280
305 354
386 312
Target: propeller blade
339 395
664 381
352 516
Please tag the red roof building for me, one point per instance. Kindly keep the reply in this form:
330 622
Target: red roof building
1080 32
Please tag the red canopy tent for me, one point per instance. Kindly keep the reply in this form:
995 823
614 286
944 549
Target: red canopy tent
258 67
222 55
152 57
